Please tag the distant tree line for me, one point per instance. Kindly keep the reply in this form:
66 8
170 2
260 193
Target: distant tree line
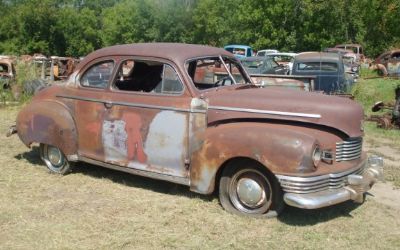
77 27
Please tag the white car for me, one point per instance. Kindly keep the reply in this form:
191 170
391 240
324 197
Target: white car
265 52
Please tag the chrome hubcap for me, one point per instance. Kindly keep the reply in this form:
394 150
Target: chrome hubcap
250 192
54 156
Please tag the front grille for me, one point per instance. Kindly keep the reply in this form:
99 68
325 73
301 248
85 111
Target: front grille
349 149
303 185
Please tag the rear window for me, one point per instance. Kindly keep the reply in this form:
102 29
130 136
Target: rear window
317 66
261 53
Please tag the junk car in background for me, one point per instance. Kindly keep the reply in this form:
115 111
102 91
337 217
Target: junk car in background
151 110
264 65
328 68
389 63
351 65
285 59
265 52
7 71
356 48
240 51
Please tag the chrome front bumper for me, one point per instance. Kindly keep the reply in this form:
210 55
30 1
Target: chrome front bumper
322 191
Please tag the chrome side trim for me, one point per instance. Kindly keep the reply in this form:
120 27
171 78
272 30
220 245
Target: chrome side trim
164 177
267 112
129 104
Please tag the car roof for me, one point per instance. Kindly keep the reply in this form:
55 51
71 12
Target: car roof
237 46
389 52
317 56
175 52
255 58
6 61
283 54
349 45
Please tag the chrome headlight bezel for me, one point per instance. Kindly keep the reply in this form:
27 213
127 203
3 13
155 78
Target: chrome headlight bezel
316 155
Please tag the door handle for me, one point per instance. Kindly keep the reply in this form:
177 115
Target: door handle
108 105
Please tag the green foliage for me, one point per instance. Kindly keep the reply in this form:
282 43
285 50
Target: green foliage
25 72
368 92
77 27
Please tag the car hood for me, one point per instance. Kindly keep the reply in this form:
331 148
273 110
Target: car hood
250 102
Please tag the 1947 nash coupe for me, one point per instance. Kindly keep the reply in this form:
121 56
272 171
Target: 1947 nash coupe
154 110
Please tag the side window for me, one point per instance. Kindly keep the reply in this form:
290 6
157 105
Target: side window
147 76
317 66
170 84
211 72
98 75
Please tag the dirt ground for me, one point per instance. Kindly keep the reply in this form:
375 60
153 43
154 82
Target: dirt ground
96 208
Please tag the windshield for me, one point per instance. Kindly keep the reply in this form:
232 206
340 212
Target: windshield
348 59
253 63
282 58
214 72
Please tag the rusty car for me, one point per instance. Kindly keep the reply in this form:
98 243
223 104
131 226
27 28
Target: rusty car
143 109
388 63
356 48
7 71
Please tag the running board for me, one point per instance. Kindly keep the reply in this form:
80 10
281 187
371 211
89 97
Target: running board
164 177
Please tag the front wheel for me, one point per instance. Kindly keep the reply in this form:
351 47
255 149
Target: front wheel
54 159
247 189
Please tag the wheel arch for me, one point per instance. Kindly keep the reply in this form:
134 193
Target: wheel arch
233 160
278 150
48 122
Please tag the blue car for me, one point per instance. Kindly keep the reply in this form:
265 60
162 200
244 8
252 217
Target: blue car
240 51
328 68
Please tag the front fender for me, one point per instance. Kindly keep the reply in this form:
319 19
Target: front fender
50 123
281 149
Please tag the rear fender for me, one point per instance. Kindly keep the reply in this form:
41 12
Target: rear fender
50 123
280 150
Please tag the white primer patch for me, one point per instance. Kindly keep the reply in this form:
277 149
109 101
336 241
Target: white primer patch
165 143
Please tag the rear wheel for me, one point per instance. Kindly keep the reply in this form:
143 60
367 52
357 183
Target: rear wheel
247 189
54 159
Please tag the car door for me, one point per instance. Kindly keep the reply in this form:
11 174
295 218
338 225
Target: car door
90 99
145 126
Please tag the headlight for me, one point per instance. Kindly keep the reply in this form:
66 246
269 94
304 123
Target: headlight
316 155
354 69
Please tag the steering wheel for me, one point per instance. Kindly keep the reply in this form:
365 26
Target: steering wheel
221 81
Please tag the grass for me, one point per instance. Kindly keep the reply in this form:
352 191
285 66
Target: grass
385 143
368 92
95 208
